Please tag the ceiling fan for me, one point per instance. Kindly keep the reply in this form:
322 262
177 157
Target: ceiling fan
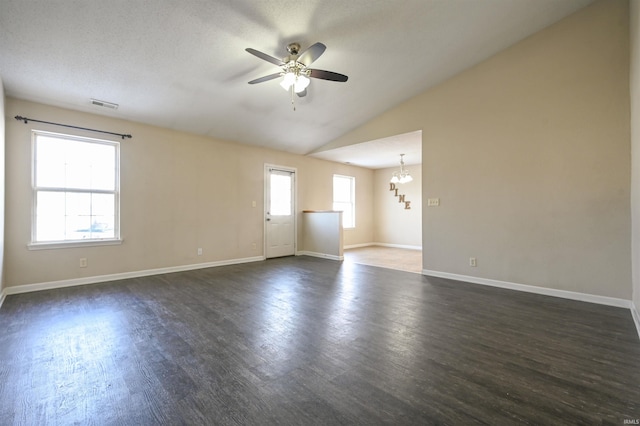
295 68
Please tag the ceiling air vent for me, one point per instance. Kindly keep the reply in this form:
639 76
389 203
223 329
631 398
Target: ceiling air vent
104 104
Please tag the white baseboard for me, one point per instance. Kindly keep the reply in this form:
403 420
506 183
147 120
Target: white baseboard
3 295
583 297
124 275
402 246
352 246
321 255
636 317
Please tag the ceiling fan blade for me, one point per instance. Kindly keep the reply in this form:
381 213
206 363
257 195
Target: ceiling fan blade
311 54
328 75
264 56
302 94
265 78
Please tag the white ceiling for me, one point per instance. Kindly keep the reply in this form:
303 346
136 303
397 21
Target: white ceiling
380 153
182 64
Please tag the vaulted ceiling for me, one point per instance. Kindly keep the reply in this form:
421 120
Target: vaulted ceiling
183 64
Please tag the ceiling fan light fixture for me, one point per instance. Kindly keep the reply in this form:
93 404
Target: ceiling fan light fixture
301 83
288 80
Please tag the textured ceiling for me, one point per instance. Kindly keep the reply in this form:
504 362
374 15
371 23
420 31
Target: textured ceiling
379 153
182 64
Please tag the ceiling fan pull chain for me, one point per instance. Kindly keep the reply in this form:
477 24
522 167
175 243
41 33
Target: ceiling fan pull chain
293 102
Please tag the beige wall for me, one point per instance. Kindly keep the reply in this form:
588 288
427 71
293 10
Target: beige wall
393 223
635 147
529 155
179 191
323 196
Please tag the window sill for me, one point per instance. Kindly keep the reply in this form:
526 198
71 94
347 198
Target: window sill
73 244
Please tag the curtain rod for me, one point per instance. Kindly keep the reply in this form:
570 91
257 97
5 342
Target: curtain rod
26 120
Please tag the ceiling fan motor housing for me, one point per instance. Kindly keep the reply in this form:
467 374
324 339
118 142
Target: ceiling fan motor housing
293 48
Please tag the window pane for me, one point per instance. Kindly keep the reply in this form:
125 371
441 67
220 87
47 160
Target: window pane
50 216
103 177
63 163
103 227
78 204
64 216
344 199
341 189
50 162
102 219
67 172
280 195
77 176
77 216
347 213
102 204
90 166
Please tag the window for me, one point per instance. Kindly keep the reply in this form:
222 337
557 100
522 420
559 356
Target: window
344 199
75 189
280 193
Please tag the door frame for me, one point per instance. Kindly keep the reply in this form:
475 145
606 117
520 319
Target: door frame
294 172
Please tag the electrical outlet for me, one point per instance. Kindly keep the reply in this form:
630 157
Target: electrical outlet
254 246
83 262
199 252
473 261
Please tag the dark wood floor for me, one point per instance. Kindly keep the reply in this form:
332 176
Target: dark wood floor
311 341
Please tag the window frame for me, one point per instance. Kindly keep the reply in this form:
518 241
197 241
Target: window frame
40 245
352 201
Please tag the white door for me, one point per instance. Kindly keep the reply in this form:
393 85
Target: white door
280 211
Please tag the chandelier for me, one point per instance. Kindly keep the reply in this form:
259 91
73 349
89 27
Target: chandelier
403 175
